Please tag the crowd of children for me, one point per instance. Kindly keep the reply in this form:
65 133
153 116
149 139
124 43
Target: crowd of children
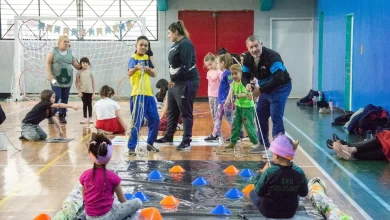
276 191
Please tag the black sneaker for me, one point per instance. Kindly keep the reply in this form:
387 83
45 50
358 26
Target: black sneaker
211 138
63 120
336 138
164 140
184 146
329 144
152 148
50 121
132 152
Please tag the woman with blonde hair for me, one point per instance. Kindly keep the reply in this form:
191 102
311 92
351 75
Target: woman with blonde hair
59 62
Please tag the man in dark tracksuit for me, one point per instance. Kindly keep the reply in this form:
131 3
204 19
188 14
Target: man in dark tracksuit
275 86
184 86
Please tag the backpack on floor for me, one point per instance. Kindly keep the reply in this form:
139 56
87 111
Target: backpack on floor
2 115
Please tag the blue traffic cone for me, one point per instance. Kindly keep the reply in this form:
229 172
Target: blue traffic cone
221 210
234 194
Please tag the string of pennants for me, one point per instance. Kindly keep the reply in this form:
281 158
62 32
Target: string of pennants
83 32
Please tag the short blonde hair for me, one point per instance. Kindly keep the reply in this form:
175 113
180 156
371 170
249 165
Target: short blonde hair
236 68
61 38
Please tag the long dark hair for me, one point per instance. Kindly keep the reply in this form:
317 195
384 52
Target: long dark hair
98 145
235 57
162 84
180 28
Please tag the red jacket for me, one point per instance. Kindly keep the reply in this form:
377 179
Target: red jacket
384 138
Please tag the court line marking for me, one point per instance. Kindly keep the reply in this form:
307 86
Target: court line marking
39 172
360 183
19 110
337 186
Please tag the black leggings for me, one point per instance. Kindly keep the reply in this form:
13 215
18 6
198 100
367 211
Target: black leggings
369 150
181 101
87 103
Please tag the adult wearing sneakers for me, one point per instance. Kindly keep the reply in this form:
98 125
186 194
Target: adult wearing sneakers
273 87
59 62
183 86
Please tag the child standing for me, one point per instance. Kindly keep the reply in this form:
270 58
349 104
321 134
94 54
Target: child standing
44 109
108 113
214 79
85 85
224 61
244 112
276 192
99 185
140 69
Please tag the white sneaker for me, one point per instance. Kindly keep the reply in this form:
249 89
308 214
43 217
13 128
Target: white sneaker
90 120
84 121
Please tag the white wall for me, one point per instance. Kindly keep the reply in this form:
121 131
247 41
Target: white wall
281 8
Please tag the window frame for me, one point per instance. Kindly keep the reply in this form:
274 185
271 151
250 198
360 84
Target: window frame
80 8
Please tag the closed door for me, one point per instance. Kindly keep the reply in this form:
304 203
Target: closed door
292 39
211 30
201 26
233 28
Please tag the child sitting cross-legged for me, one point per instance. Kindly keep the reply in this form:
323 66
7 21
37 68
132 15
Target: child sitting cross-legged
99 185
277 191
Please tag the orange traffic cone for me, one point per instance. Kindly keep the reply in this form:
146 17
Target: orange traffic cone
169 201
177 169
248 189
231 170
42 216
151 213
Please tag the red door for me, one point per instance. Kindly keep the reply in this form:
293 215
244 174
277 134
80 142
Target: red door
201 26
210 31
233 28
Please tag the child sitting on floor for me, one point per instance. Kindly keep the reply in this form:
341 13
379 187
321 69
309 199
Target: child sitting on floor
30 124
164 117
276 192
99 185
108 113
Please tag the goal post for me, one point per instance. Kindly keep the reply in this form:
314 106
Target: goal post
108 43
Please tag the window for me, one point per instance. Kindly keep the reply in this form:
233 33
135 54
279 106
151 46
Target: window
82 8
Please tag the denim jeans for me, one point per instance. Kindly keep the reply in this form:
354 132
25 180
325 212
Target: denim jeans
63 94
272 105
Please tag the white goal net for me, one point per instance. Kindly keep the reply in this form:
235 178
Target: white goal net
108 43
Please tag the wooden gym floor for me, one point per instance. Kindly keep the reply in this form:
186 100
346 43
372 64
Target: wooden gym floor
38 178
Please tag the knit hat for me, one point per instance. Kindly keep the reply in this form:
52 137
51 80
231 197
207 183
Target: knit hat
283 146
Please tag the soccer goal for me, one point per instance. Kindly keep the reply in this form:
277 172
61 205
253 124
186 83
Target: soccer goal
107 42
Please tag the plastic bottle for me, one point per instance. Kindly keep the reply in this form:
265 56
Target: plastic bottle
319 96
368 135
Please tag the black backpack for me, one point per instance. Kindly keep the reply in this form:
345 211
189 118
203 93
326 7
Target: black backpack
2 115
